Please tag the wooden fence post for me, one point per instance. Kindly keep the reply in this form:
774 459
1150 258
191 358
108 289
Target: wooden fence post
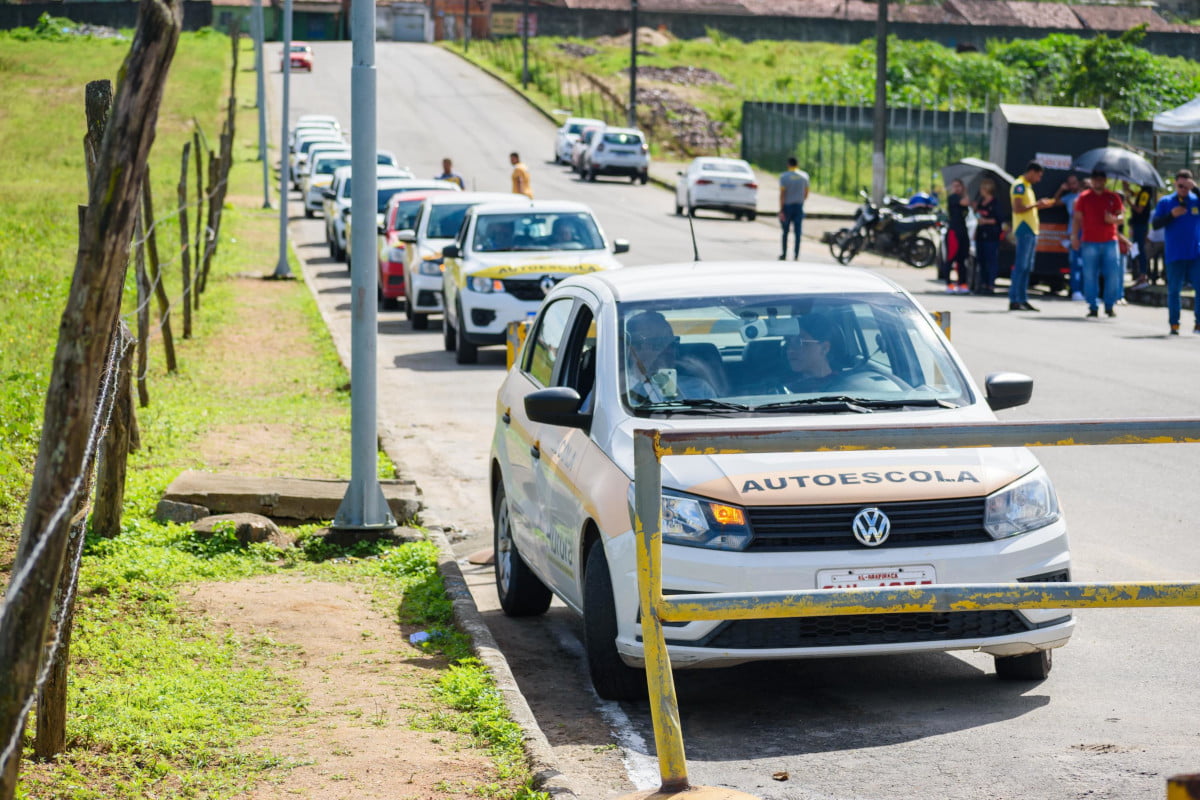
200 229
84 335
114 447
143 311
156 276
185 245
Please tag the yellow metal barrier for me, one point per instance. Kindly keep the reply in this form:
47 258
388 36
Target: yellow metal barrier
515 335
650 446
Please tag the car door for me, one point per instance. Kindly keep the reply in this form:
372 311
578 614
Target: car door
562 488
527 483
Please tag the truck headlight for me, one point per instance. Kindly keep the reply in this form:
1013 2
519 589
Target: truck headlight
695 522
1025 505
485 285
432 266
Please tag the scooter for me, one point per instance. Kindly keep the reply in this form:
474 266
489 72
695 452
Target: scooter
891 230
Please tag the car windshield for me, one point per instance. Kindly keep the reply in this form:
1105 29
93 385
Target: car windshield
540 231
326 166
574 128
309 144
758 354
385 194
623 138
445 220
406 214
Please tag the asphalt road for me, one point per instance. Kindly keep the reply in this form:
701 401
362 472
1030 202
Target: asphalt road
1115 717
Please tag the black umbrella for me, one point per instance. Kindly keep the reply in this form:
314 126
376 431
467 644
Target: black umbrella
1119 163
973 170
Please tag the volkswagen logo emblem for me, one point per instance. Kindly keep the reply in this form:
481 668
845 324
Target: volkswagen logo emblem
547 284
871 527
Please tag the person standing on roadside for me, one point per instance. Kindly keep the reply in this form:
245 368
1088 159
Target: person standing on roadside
520 176
1098 212
990 219
1065 197
1141 204
1178 216
448 174
1025 207
793 191
958 246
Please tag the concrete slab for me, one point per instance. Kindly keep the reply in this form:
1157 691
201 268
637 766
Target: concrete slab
291 499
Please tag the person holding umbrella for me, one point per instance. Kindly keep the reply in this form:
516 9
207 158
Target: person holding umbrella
1025 207
1098 212
1178 216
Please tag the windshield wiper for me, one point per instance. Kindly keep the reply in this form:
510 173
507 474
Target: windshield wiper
819 405
700 404
916 401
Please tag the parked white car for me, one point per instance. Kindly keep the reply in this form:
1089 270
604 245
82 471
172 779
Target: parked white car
758 347
384 191
337 204
717 184
318 176
617 151
304 141
437 223
506 258
579 147
319 119
568 134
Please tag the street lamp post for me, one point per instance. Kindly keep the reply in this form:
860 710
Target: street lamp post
282 270
261 99
525 45
633 47
879 157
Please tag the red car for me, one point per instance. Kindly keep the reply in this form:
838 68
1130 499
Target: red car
401 215
302 57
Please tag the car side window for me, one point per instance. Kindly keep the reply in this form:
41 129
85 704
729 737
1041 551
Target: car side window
577 361
548 336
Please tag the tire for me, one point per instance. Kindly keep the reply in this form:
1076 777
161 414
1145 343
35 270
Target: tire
644 179
1027 667
308 213
845 245
751 216
522 594
737 215
387 303
419 321
612 678
919 252
678 210
449 337
333 253
591 175
691 210
464 352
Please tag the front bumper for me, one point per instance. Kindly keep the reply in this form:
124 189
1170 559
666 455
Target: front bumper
426 291
485 317
725 643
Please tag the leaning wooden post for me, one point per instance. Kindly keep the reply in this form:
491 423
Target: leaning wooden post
114 447
156 276
185 245
143 311
210 240
198 252
93 307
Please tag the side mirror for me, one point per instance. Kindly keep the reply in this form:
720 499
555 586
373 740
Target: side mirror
381 230
1008 390
407 236
558 405
451 251
620 246
327 194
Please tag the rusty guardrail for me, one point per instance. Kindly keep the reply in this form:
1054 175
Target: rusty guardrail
652 445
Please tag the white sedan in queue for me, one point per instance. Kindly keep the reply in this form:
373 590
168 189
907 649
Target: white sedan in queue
717 184
757 347
568 134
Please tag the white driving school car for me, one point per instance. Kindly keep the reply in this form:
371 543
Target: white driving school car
506 258
757 347
718 184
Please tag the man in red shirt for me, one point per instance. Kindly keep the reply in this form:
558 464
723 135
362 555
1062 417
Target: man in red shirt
1098 212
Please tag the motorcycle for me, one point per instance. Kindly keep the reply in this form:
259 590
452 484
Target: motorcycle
891 230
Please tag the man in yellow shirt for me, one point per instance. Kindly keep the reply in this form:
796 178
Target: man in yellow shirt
1025 206
520 176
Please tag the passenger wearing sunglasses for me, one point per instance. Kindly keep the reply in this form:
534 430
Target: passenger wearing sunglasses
808 356
651 372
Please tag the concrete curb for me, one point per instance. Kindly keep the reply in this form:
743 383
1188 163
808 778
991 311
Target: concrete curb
547 777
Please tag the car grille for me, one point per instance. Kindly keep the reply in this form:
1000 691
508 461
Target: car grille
914 524
525 288
860 629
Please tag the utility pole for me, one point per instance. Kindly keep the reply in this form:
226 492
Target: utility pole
633 45
364 507
260 78
282 270
525 45
879 157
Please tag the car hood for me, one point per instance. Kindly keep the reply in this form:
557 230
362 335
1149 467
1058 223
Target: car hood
549 262
832 477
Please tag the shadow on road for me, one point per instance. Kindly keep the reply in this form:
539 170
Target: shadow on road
440 361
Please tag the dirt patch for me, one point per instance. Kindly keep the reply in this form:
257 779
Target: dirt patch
683 76
646 37
363 683
249 449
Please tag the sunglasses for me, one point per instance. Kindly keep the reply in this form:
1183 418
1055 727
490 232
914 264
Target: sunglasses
804 342
639 340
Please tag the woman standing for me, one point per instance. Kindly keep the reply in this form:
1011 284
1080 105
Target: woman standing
957 247
987 235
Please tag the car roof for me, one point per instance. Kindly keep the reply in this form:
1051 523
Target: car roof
720 160
381 171
416 194
582 121
303 118
470 197
422 183
517 206
611 129
736 278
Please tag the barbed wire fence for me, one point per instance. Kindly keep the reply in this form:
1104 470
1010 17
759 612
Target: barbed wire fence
89 424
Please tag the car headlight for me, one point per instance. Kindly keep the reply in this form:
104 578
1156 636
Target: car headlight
485 285
1025 505
432 266
695 522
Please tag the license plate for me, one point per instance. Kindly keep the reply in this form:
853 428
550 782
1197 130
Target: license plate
623 152
728 185
876 577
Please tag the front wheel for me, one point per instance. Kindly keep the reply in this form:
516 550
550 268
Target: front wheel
751 215
919 252
612 678
449 338
845 245
1027 667
522 594
464 352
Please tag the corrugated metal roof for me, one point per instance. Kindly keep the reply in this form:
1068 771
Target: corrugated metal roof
1045 15
985 12
1091 119
935 14
1120 18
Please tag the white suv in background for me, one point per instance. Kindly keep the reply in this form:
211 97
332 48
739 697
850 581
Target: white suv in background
337 204
618 151
569 134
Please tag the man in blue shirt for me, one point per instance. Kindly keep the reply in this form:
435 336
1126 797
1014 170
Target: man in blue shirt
448 174
793 191
1178 215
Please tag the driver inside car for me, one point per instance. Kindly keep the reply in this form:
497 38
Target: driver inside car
652 375
808 355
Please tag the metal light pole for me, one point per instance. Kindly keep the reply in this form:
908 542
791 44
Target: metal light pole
364 507
879 157
466 26
260 80
282 270
633 44
525 45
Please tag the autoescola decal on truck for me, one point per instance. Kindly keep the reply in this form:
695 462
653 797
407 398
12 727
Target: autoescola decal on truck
508 271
